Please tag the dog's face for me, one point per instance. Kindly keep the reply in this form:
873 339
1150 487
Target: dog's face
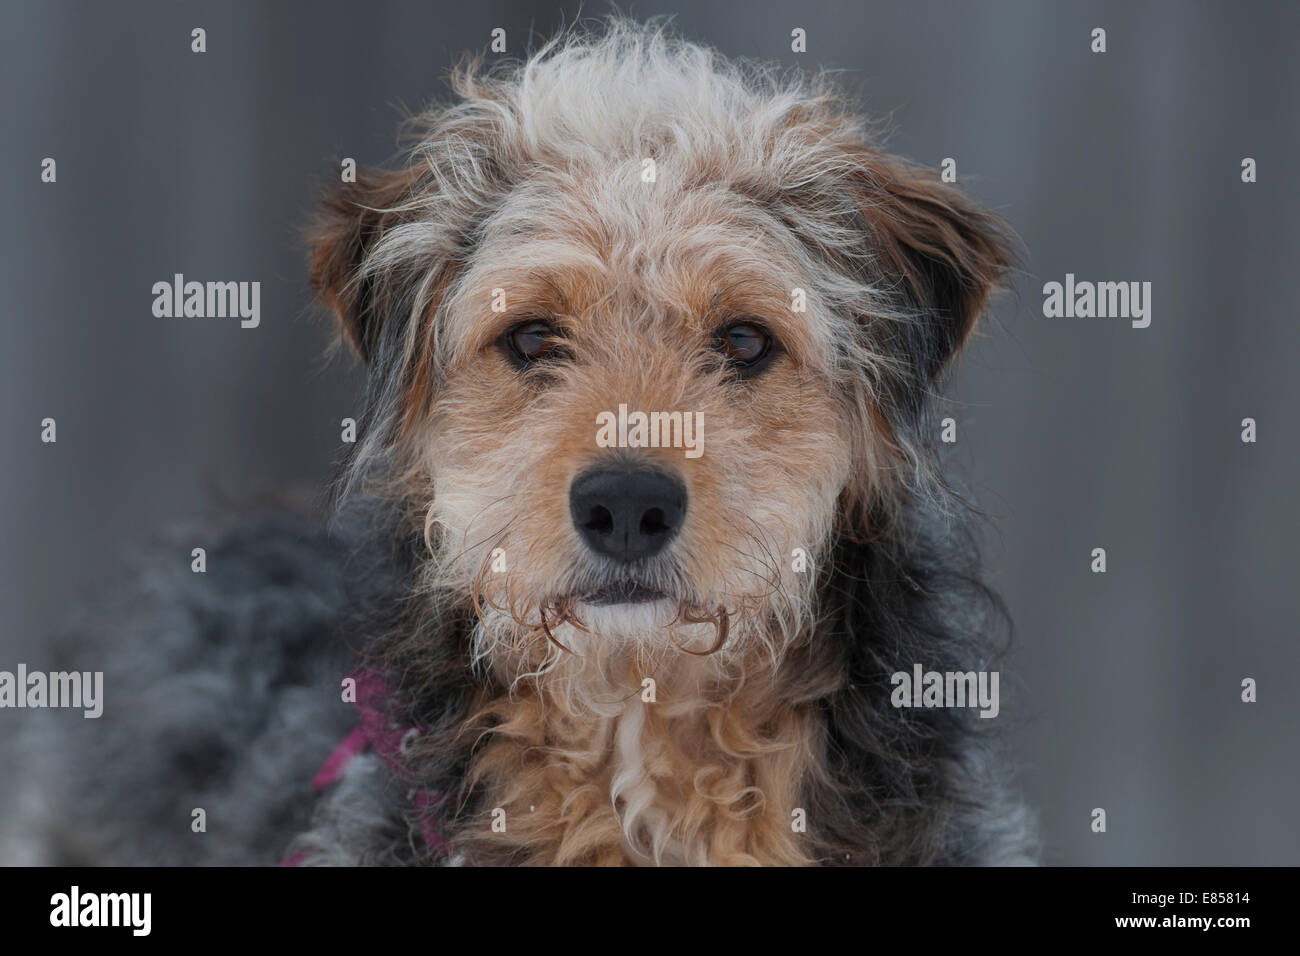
638 353
594 300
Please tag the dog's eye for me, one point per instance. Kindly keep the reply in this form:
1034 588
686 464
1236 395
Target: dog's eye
746 346
531 341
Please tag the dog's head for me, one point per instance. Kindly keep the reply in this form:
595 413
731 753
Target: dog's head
645 331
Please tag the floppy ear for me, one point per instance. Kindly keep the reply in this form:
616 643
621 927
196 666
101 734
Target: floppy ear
352 217
949 252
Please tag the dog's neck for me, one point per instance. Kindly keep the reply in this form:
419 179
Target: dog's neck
627 757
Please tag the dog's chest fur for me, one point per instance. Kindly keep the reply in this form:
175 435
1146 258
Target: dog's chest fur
689 780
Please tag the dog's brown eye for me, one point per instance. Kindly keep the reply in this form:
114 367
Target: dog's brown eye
746 345
532 340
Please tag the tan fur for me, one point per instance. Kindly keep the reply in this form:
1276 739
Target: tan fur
684 781
762 187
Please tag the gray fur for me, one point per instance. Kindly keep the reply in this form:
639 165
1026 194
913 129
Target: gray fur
221 692
222 689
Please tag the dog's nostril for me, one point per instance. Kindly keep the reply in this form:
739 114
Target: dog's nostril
652 522
601 521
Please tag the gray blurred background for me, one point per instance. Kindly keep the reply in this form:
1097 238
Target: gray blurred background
1123 691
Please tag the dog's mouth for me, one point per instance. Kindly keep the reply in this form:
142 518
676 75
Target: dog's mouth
636 605
622 592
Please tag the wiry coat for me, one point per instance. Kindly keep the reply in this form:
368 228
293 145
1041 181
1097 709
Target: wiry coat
771 685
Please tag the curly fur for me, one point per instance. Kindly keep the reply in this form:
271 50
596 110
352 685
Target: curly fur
773 690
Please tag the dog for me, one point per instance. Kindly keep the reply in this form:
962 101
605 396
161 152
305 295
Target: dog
644 514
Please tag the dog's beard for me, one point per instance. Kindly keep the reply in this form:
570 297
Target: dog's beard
595 655
594 633
641 620
596 658
631 616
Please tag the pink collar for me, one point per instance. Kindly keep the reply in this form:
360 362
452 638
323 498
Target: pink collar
390 741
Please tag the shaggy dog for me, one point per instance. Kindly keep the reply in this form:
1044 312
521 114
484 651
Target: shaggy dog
643 515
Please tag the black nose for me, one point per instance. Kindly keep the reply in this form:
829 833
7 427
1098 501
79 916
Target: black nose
627 515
